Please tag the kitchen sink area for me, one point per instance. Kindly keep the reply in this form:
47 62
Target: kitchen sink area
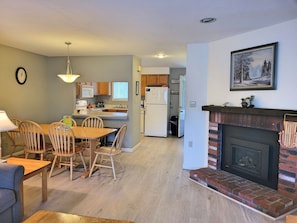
108 100
113 112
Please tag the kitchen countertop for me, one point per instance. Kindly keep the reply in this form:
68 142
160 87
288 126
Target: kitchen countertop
101 114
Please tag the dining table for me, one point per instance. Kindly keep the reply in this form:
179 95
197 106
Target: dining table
91 134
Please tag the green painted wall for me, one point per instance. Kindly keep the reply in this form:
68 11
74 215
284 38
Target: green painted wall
45 98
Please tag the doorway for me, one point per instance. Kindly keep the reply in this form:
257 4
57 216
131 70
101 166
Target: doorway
181 107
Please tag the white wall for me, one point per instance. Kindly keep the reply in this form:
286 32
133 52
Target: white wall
219 67
218 82
195 119
155 70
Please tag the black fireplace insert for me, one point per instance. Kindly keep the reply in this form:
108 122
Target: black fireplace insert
251 153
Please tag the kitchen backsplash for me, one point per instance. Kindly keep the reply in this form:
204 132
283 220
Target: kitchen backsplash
99 101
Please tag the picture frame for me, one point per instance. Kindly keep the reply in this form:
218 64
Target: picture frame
254 68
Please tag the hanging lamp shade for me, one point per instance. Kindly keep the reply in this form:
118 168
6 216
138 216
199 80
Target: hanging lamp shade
68 77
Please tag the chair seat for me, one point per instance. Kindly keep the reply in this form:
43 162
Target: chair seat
107 151
78 149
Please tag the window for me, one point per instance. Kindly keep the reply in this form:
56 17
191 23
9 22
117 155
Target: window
120 91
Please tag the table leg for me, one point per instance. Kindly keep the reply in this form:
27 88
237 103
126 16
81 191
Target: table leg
44 184
91 157
22 196
92 154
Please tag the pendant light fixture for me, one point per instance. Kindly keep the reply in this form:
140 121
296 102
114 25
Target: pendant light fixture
68 77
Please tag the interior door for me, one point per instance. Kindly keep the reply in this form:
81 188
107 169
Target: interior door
181 107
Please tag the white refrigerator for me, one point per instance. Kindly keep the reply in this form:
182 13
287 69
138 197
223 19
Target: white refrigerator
156 111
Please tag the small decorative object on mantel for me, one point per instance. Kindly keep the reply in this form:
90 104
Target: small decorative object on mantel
247 102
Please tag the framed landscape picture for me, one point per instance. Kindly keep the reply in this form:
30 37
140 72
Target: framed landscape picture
254 68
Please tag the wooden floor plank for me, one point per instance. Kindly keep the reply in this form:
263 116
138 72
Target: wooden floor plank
153 188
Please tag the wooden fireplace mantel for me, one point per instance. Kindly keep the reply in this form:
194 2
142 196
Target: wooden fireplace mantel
259 118
248 111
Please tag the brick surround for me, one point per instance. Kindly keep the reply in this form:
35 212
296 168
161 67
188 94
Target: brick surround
272 202
261 198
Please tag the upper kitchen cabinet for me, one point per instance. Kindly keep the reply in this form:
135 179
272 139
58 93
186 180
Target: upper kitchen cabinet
163 79
143 84
77 87
153 80
102 88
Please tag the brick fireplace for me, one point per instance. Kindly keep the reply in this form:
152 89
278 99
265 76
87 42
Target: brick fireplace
273 200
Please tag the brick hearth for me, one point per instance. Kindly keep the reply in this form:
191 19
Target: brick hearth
254 195
269 201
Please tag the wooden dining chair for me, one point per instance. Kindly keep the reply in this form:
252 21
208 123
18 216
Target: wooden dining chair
107 155
34 139
92 122
15 136
64 147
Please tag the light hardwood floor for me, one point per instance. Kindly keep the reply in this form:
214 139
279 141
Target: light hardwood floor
153 188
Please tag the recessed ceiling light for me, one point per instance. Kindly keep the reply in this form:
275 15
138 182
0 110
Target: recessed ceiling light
208 20
161 55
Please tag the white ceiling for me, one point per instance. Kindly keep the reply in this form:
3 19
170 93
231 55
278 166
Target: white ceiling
132 27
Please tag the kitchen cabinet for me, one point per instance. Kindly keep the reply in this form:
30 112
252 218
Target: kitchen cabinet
163 79
153 79
102 88
77 86
143 84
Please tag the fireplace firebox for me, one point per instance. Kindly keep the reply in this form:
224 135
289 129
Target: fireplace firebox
251 153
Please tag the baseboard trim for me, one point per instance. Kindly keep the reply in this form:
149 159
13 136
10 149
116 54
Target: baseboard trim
130 150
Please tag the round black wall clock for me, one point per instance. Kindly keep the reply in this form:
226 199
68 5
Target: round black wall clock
21 75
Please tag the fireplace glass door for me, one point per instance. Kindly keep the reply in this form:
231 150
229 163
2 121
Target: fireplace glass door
250 158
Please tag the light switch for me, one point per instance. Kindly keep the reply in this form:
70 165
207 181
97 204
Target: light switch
192 104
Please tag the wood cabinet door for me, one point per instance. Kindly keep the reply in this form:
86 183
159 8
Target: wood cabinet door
152 80
103 88
77 86
143 84
163 79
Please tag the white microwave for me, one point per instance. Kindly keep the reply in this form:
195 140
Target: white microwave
87 91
